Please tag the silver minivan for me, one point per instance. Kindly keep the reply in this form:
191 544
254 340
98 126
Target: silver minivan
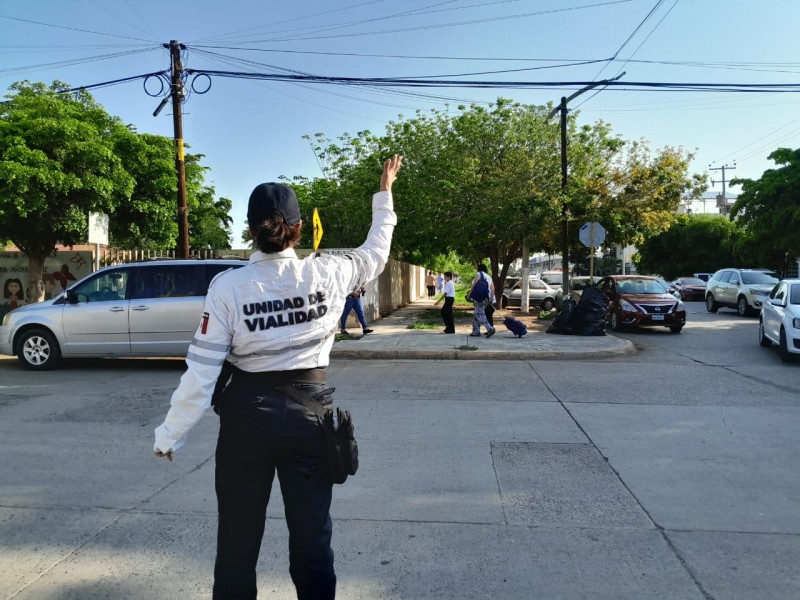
137 309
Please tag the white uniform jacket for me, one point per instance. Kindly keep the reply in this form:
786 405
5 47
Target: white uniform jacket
275 314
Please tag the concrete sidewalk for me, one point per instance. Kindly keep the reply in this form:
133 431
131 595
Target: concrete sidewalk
392 339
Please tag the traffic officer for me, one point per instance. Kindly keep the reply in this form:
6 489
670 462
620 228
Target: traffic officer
274 321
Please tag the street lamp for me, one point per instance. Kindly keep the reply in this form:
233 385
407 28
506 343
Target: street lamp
564 218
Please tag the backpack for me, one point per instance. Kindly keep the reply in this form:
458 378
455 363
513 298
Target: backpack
480 291
515 326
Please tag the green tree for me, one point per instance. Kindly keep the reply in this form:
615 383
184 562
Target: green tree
63 156
147 218
693 244
640 195
480 180
209 218
769 209
57 163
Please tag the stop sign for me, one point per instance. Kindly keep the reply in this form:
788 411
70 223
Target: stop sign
592 234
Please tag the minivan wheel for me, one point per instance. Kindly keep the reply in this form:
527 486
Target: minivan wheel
547 305
762 339
742 307
783 348
38 350
711 305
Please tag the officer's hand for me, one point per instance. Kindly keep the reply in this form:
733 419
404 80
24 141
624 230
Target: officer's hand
167 455
390 169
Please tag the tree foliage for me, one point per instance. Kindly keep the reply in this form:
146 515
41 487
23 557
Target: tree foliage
63 156
696 243
57 163
769 209
480 180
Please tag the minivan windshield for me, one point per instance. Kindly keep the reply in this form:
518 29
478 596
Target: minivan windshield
759 277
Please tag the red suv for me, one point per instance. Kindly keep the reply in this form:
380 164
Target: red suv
639 301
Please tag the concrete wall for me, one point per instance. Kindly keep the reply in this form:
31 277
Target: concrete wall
399 284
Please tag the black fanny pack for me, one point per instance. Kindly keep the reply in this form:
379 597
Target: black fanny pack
337 424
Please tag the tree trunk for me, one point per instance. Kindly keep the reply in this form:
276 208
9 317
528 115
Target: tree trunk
34 292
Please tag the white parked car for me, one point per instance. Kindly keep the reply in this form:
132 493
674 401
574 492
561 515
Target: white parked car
539 294
742 289
779 322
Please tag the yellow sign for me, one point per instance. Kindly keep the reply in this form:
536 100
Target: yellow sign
317 229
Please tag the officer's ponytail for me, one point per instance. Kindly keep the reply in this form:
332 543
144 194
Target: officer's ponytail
274 235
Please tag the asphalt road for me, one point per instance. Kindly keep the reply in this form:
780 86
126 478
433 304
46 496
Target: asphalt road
668 474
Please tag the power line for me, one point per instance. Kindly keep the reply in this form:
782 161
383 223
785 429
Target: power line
441 25
115 81
115 15
409 82
327 12
630 37
379 91
680 63
124 37
75 61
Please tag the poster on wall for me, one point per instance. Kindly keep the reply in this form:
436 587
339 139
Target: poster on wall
60 271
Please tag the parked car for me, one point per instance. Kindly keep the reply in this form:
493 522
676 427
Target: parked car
554 279
703 276
539 294
779 322
742 289
690 288
138 309
667 285
640 301
578 283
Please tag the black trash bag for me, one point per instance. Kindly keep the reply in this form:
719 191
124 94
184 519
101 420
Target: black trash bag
563 321
589 316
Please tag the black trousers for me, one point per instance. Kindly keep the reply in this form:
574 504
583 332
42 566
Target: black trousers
263 432
489 310
447 315
431 291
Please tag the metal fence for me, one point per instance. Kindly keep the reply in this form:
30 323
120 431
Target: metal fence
116 256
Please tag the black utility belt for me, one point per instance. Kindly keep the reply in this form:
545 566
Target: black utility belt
277 378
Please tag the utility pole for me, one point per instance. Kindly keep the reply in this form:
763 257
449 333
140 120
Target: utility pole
562 108
723 204
177 93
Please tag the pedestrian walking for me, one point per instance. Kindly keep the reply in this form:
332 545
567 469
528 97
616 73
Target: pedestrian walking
430 283
439 283
449 295
481 293
272 324
353 302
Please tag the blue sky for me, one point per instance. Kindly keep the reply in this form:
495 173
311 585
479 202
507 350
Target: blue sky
251 131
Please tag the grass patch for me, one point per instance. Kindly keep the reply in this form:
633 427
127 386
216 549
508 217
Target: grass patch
466 347
425 325
545 314
341 336
434 314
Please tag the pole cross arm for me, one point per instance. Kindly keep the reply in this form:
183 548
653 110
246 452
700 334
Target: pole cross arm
565 101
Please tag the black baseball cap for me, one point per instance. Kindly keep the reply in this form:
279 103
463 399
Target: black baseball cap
272 199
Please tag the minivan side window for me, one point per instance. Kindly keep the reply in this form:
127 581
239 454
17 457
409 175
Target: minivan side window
168 281
214 270
725 277
109 286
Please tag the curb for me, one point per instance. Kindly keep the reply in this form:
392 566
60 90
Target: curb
626 348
